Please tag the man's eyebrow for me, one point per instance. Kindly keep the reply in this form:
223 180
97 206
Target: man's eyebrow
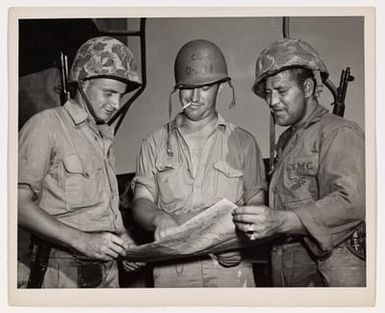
107 89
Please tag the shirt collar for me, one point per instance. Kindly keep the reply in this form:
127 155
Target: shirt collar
79 115
313 117
76 112
107 131
220 121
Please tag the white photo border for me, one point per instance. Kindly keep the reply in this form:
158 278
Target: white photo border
186 296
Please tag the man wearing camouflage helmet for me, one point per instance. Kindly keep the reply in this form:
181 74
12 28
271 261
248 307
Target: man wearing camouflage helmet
317 192
67 190
191 163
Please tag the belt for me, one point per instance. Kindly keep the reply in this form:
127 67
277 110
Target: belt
57 251
286 241
182 260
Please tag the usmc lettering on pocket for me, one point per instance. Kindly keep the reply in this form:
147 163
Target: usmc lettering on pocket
300 174
300 166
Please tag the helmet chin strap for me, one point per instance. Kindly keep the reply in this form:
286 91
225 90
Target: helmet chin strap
272 144
88 105
170 153
232 103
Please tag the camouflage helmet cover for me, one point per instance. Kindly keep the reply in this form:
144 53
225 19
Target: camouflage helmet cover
105 57
284 54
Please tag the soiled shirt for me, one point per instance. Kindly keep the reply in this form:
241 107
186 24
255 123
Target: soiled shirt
229 166
320 175
67 161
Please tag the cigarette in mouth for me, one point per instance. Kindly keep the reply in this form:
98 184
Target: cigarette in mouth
186 105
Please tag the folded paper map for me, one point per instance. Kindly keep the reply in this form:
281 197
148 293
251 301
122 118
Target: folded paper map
208 232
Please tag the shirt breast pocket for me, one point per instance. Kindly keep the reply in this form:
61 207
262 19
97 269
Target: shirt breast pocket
83 183
228 182
172 187
301 177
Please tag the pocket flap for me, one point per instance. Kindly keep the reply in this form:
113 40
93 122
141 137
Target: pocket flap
88 166
226 169
162 167
73 164
92 164
302 166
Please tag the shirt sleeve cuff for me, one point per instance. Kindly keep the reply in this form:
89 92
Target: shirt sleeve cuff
35 187
250 193
312 220
146 182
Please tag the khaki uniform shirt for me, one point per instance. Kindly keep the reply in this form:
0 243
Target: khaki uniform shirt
66 159
229 166
320 175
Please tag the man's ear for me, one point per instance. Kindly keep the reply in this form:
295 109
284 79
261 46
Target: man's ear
308 87
85 83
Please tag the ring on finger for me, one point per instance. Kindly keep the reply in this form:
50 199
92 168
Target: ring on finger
250 228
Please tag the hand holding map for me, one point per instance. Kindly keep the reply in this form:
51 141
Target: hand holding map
210 231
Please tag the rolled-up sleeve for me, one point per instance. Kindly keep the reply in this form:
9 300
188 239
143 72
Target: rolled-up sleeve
35 145
341 178
145 167
254 170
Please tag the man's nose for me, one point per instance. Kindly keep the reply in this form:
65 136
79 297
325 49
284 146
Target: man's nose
274 99
195 97
115 103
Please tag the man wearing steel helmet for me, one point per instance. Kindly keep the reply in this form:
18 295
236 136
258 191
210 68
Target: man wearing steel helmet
317 190
191 163
67 188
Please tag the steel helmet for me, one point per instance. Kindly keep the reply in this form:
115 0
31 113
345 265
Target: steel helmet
284 54
199 62
105 57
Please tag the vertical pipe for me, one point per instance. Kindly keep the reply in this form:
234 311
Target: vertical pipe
286 27
126 106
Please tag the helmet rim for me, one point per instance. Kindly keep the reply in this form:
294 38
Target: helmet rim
105 57
286 54
199 63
